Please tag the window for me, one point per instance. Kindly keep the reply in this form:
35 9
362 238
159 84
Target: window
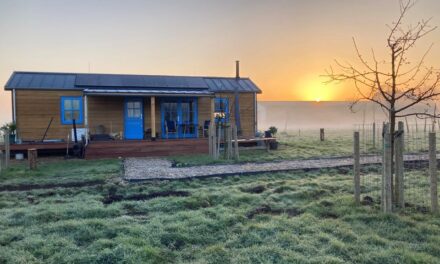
221 112
71 108
134 109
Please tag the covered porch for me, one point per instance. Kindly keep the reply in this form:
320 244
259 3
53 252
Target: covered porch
146 115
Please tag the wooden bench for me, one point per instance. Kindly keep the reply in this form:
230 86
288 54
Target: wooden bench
266 141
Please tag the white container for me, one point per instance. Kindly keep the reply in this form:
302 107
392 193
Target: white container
19 156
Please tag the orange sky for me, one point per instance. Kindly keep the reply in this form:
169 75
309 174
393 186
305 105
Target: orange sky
283 45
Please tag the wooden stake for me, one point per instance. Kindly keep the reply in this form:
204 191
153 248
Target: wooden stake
417 127
374 135
210 140
433 172
32 158
387 172
236 151
219 136
407 125
356 169
321 134
399 149
214 142
7 150
2 158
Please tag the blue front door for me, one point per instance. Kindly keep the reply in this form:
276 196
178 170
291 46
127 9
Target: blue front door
133 119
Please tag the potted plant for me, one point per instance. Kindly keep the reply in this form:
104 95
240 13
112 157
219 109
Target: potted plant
273 132
11 129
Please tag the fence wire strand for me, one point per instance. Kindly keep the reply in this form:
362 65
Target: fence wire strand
416 164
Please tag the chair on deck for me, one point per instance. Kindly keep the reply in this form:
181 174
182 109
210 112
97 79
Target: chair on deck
206 127
170 127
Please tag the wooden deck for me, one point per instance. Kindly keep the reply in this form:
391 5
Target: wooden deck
130 148
146 148
42 147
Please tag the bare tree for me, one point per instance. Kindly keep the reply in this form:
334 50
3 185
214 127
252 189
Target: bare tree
395 84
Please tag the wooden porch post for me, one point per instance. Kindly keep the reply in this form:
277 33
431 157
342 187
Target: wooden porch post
86 118
153 118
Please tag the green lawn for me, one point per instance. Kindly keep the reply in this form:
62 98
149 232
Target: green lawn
291 146
297 217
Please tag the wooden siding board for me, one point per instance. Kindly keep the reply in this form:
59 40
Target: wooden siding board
247 111
34 111
106 111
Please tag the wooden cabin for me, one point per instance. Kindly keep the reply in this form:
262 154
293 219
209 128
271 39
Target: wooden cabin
143 111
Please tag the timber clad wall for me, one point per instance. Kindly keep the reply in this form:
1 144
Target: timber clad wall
107 112
247 112
34 111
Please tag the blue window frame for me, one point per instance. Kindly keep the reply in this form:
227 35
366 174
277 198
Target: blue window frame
221 111
71 108
179 117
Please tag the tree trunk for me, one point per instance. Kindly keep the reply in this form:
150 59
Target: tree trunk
392 133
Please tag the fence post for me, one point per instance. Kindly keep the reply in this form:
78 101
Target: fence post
321 134
387 171
399 148
32 158
356 169
219 137
1 160
7 150
236 151
210 140
433 172
374 135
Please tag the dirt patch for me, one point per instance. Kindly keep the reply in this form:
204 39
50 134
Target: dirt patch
418 208
141 197
328 214
283 189
326 203
266 209
367 200
254 189
47 194
28 187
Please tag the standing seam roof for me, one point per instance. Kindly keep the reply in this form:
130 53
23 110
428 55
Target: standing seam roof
81 81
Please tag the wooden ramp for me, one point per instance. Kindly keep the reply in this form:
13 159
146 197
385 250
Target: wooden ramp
145 148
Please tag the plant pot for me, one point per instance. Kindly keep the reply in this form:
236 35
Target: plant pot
273 145
12 139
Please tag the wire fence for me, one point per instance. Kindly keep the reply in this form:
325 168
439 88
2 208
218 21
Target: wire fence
416 170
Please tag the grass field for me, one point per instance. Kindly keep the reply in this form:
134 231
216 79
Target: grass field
297 217
291 146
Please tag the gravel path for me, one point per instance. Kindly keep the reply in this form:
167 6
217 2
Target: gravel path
137 169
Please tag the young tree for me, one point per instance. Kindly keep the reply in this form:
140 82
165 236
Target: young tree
395 84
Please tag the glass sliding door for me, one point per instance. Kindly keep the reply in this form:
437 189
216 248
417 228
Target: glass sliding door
179 117
170 119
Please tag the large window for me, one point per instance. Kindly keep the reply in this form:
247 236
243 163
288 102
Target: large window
71 108
221 112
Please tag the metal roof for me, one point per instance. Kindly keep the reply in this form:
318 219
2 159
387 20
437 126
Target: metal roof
230 84
83 81
142 81
152 92
37 80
